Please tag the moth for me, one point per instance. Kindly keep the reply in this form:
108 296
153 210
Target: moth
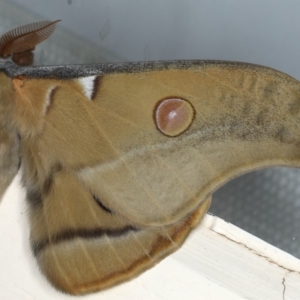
119 160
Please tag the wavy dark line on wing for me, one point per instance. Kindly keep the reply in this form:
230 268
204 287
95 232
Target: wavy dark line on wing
84 233
98 201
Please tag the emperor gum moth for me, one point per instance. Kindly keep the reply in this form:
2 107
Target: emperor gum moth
119 160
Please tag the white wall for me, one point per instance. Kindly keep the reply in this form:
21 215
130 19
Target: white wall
263 32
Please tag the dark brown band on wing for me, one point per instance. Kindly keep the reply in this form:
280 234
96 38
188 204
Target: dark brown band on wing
96 86
83 233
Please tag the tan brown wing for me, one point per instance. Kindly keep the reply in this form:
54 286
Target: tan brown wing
82 247
25 37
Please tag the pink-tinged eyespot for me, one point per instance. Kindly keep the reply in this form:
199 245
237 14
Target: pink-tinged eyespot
173 116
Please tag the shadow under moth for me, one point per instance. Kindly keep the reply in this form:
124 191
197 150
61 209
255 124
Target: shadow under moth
119 160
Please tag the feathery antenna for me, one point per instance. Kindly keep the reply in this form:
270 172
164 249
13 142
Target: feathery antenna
20 42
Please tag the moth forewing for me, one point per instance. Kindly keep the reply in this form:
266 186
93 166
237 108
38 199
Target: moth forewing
119 160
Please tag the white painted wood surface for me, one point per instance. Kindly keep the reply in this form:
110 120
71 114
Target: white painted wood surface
219 261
